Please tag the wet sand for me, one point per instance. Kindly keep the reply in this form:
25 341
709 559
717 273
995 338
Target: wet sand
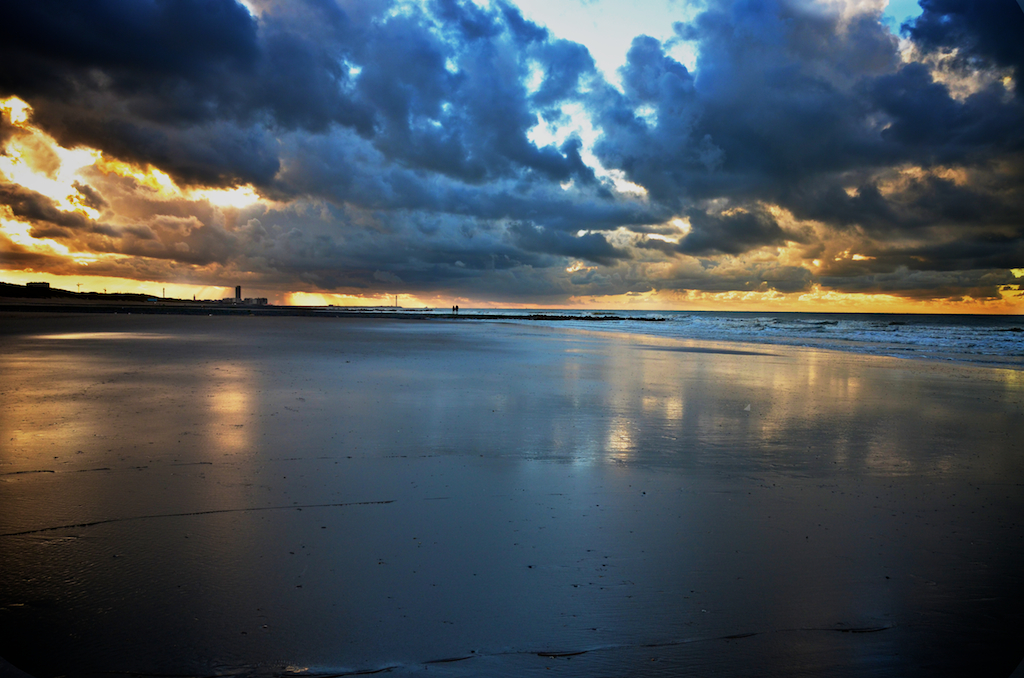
275 496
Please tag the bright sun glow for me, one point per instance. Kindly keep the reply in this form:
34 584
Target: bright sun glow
683 225
112 285
35 161
663 238
329 299
577 266
19 234
238 197
149 177
165 187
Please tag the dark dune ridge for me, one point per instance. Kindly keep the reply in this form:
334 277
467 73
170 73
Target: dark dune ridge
204 496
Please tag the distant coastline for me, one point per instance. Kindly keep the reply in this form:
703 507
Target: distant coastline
983 340
22 298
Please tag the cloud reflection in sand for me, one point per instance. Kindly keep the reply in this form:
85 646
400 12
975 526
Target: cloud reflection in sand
228 393
341 494
110 336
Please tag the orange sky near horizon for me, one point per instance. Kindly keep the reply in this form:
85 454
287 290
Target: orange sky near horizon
36 162
816 301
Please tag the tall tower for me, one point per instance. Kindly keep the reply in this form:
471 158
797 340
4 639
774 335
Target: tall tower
238 294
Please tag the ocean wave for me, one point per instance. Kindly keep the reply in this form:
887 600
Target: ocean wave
971 339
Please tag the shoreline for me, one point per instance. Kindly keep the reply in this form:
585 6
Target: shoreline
928 338
200 308
112 303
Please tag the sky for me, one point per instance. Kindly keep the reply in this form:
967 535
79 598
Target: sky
843 155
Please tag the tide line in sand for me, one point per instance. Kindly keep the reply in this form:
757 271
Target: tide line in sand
191 513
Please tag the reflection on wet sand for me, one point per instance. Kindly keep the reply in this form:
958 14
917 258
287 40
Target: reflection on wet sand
229 392
243 495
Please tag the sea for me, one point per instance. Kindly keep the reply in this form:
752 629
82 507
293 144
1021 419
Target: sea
993 340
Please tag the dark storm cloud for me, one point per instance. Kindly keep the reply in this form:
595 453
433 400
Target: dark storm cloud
926 284
773 102
732 233
201 88
174 62
161 38
919 204
985 252
7 130
789 103
930 127
90 196
398 135
591 246
983 33
785 279
36 208
16 255
167 82
347 169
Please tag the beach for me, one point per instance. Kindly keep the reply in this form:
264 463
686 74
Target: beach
198 496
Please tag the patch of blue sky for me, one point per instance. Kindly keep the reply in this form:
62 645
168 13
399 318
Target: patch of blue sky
899 12
607 27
